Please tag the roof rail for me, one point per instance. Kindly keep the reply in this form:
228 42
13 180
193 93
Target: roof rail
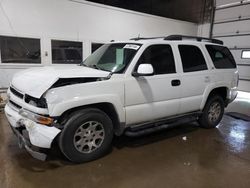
182 37
145 38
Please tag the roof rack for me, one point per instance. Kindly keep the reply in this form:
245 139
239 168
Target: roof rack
182 37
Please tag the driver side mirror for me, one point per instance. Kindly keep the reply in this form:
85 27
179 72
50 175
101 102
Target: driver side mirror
144 70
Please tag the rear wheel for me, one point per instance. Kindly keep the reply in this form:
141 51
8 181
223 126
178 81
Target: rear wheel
213 112
87 135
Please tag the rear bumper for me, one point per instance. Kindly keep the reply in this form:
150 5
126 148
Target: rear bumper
38 137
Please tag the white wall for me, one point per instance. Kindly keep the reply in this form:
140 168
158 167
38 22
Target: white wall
77 20
204 30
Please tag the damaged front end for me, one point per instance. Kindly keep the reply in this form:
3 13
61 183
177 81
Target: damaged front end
27 109
34 132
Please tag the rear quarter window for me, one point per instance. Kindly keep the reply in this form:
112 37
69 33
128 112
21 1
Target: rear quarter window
221 57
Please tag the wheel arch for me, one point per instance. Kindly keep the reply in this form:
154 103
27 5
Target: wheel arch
221 91
106 107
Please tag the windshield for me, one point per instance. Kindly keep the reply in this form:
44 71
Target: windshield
112 57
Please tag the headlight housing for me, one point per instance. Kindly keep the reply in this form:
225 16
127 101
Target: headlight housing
36 117
40 103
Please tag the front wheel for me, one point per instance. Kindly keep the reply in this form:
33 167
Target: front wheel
212 113
87 135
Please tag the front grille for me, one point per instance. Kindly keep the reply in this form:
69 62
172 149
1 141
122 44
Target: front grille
15 105
16 93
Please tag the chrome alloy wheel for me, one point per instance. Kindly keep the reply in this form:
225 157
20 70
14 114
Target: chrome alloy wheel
214 112
89 137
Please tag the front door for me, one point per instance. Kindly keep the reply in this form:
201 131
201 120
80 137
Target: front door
153 97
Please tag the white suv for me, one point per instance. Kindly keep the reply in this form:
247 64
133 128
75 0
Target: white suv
134 87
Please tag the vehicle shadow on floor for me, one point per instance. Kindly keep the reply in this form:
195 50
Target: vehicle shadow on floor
180 130
132 142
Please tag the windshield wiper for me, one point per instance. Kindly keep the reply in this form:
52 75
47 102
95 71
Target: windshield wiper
96 67
92 66
82 64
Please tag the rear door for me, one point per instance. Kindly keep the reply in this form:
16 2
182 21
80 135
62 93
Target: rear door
195 77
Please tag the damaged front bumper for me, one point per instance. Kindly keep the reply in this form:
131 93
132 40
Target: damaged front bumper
33 136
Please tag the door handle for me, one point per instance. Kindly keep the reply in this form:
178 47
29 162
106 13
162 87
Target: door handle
176 82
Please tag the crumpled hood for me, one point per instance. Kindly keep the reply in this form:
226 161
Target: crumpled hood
36 81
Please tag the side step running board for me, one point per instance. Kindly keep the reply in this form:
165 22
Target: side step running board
155 127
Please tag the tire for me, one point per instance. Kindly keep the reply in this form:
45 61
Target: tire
87 135
212 112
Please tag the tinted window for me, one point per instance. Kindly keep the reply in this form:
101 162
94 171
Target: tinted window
221 57
57 55
73 54
95 46
20 50
160 57
66 52
192 58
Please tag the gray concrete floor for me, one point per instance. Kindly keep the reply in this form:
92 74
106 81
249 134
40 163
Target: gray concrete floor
206 158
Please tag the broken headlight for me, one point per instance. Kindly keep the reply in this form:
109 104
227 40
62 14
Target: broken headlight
40 103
